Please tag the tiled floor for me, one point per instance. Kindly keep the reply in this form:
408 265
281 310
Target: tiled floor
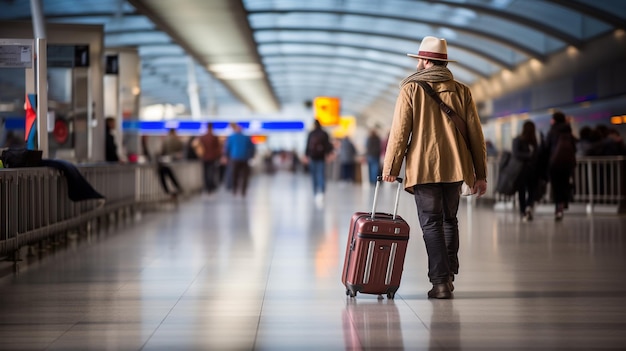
263 273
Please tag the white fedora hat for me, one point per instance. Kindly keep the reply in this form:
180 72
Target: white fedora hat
432 48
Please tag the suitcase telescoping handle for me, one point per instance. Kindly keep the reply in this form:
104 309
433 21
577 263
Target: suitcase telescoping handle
379 180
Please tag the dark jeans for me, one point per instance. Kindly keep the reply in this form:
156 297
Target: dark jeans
347 171
373 166
165 172
318 173
240 174
211 175
437 206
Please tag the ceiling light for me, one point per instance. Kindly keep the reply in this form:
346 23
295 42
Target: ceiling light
236 71
234 67
239 75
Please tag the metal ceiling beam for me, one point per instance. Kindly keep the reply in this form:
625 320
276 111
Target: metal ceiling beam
277 61
283 74
390 52
358 58
511 17
215 32
592 11
479 33
364 47
477 52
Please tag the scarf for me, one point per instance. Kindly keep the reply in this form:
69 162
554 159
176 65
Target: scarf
432 74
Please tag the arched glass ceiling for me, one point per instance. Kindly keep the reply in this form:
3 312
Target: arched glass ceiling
484 36
376 57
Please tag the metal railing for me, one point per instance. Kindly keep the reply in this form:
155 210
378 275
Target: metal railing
34 202
598 182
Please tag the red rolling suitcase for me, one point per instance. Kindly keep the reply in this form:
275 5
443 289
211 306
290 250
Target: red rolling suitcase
375 251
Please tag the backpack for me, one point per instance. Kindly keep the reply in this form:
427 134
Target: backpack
20 157
318 145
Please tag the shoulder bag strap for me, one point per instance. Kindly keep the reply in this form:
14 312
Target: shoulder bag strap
452 115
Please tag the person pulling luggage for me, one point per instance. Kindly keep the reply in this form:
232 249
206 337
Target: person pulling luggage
438 160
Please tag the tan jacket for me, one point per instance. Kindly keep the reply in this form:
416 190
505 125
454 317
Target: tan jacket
435 150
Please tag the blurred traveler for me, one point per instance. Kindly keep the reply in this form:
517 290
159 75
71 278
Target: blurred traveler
613 144
239 149
373 146
590 143
438 159
318 147
491 149
525 149
193 149
561 151
171 150
13 141
347 157
111 154
212 150
145 149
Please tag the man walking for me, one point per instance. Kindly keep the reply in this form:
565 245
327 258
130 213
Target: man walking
171 150
438 160
318 147
372 154
239 149
212 151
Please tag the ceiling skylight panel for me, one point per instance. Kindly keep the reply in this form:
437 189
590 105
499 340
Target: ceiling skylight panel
151 50
475 61
135 38
263 20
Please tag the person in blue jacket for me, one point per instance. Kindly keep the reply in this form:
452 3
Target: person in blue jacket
239 149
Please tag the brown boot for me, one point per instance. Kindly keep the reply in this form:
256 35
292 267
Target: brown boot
440 291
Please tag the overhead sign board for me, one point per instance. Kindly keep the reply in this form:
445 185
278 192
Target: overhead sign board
187 127
327 110
16 53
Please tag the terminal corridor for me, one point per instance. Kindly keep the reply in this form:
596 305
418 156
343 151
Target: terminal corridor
263 273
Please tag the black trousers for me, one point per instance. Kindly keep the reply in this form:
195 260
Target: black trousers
240 175
526 192
165 172
211 175
561 188
437 207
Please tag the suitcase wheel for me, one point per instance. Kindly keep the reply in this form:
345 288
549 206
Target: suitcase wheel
350 293
391 295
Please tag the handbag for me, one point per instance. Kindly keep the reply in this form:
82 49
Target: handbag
458 123
18 158
510 171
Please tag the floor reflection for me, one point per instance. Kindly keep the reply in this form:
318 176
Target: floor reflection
372 325
445 326
264 273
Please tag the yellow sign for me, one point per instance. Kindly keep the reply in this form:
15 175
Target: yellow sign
346 127
327 110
